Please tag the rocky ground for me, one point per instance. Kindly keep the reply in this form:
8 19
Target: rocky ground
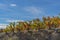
41 35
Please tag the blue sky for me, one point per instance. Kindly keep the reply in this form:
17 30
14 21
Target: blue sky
15 10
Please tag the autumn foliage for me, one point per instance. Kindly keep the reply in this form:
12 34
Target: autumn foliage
36 24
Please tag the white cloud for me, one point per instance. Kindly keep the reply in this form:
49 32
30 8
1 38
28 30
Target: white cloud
4 7
12 4
34 10
14 21
3 25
